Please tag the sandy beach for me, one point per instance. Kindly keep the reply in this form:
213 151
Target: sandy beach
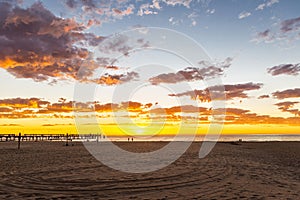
50 170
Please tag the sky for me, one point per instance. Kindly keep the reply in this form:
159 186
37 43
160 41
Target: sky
145 68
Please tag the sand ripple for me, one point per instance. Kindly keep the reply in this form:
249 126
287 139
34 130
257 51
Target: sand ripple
229 172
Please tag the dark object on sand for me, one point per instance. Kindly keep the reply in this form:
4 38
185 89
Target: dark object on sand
19 140
67 138
239 142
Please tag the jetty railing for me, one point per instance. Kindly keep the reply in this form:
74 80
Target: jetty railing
48 137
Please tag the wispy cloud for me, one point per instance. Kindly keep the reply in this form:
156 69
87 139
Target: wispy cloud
185 3
244 14
267 4
287 30
147 9
121 13
104 11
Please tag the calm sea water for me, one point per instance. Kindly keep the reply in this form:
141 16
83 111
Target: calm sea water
261 137
222 138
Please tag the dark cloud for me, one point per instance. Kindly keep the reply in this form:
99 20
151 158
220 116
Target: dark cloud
38 45
241 116
61 107
288 69
86 5
230 92
238 90
31 107
17 103
116 44
18 115
112 67
109 107
290 93
193 73
264 34
265 96
287 107
132 106
234 111
57 124
99 12
48 125
295 112
71 3
290 25
10 124
105 61
188 74
179 109
287 29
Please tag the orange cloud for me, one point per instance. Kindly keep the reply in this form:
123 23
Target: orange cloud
108 79
287 107
38 45
17 103
20 108
109 107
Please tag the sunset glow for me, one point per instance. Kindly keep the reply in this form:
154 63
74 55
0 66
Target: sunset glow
47 48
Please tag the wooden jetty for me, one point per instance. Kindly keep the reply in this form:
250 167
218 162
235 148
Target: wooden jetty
49 137
38 137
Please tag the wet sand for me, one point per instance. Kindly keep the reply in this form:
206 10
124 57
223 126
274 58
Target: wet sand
50 170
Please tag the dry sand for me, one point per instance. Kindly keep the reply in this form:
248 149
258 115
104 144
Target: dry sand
50 170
